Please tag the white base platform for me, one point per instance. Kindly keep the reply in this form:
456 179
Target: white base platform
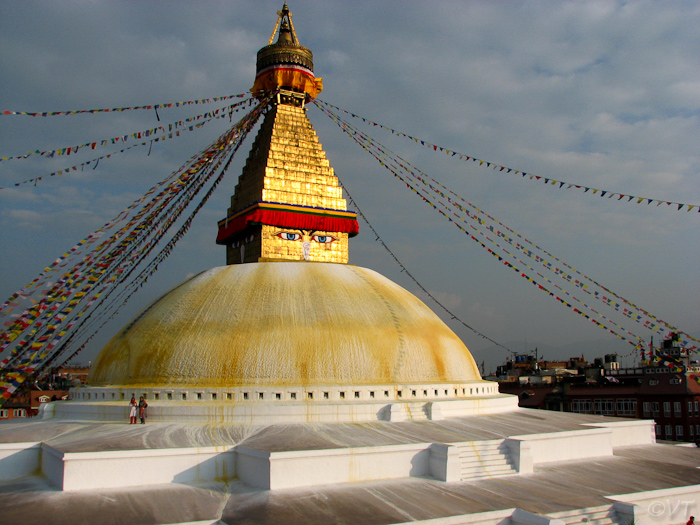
271 470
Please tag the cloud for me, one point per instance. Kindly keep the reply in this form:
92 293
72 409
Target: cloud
597 93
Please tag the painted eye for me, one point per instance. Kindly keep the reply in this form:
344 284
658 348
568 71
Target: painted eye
323 239
289 236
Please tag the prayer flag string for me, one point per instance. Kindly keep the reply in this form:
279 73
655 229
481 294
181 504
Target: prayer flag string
52 317
128 108
678 206
144 134
167 136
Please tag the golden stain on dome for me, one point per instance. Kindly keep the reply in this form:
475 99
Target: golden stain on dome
271 324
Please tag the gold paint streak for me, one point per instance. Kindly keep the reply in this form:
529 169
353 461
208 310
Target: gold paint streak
271 324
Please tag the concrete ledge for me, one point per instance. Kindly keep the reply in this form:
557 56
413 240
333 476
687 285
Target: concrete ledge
445 463
629 433
287 412
19 459
109 469
280 470
493 404
659 507
522 517
495 517
564 446
520 452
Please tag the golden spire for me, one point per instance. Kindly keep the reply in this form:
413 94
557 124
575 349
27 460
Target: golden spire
287 205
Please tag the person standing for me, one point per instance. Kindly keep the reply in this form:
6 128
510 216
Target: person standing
132 411
142 410
691 521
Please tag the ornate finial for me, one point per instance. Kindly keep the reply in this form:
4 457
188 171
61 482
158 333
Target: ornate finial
285 17
286 64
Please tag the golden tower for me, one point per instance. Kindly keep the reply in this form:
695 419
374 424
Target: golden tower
287 205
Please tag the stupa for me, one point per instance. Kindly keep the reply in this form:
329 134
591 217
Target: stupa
290 386
288 331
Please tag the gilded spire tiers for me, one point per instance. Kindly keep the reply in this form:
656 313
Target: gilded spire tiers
288 204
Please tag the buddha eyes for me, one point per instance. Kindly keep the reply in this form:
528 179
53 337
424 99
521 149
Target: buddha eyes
321 239
289 236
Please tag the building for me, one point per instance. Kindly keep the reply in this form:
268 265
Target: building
662 388
292 387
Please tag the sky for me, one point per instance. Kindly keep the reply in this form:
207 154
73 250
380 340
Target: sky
600 94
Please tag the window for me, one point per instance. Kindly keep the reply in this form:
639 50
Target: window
3 414
169 395
697 412
691 433
669 432
655 408
213 396
675 381
647 408
653 382
278 396
667 408
184 396
371 394
690 408
657 429
156 396
581 406
18 412
199 395
293 395
310 395
386 393
627 407
604 407
679 432
261 395
677 409
245 395
228 396
357 394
